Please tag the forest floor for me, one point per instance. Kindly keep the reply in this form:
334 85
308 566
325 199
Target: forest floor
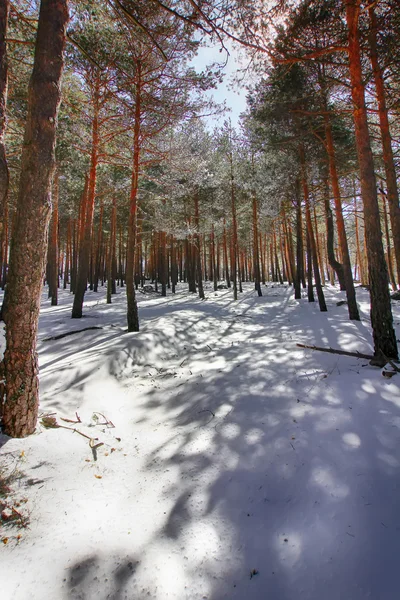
234 464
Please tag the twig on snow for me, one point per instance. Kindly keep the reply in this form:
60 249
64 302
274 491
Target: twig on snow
78 419
108 422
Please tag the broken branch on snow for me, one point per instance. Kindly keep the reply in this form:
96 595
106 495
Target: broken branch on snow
334 351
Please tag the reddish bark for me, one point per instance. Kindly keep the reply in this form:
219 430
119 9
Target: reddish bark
381 312
132 310
53 248
344 248
86 238
111 251
29 240
312 249
4 174
388 160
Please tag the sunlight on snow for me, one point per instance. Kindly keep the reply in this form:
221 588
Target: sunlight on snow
289 552
229 431
368 387
323 478
391 394
351 440
254 436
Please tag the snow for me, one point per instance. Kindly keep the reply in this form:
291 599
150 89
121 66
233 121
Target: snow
246 467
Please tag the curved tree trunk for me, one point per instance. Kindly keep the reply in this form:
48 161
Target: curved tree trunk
347 273
29 240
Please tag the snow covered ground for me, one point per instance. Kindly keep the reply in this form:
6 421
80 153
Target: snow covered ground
239 467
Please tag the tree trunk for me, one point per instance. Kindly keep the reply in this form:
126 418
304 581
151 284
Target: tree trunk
132 309
381 312
53 248
388 245
226 263
111 253
214 265
99 245
256 254
234 235
29 240
311 238
162 253
84 251
299 247
388 160
4 174
347 272
198 247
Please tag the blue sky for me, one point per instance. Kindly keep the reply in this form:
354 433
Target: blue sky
235 98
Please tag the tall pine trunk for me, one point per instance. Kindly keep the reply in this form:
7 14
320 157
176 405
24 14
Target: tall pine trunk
312 249
132 309
86 240
388 160
381 311
29 240
4 174
347 273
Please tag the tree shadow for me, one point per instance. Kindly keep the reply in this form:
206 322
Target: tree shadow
95 578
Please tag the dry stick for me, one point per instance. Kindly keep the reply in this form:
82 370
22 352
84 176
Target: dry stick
391 363
342 352
108 422
78 419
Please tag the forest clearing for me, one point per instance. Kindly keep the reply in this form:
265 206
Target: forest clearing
232 451
199 299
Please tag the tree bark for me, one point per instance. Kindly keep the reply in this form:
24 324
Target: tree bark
234 234
381 312
85 247
132 309
53 248
99 245
29 240
311 238
111 252
299 276
388 160
4 174
256 253
347 273
199 272
388 245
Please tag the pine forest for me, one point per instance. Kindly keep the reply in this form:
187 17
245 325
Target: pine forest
200 299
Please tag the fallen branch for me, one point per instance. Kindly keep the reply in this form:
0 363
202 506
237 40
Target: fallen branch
51 423
78 419
334 351
391 363
63 335
108 423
